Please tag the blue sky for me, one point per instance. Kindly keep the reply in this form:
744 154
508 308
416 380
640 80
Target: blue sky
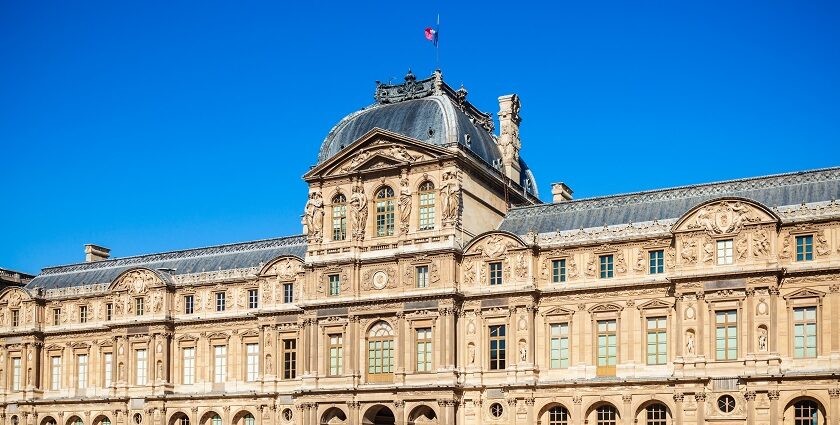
152 126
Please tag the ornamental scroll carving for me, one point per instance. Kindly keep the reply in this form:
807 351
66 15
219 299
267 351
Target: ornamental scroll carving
136 282
324 280
286 269
313 217
359 208
450 198
724 217
396 152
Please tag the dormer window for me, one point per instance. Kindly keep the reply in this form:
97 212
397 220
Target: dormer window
339 217
385 212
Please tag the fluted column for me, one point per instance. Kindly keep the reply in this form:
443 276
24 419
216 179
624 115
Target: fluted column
700 398
834 406
749 396
677 414
627 412
773 395
399 412
577 410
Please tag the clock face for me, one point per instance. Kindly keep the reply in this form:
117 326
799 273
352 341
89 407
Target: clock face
380 280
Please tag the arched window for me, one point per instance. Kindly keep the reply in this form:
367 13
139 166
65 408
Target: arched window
805 412
558 415
184 420
78 421
339 217
385 212
249 419
217 420
381 351
656 414
427 206
606 415
105 421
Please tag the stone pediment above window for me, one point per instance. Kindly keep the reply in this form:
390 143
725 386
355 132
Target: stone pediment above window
376 150
137 281
187 338
559 311
285 268
605 308
805 293
723 217
654 304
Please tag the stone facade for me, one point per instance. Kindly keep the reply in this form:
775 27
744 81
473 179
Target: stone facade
411 299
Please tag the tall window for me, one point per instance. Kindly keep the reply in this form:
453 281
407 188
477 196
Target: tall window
81 371
381 349
56 316
252 351
495 273
385 212
724 252
422 276
498 347
336 354
216 420
339 218
805 412
55 373
657 261
16 374
138 306
220 301
289 358
606 266
726 335
424 349
607 346
141 367
559 345
606 415
253 298
83 314
558 415
805 248
188 365
805 332
107 369
656 340
288 293
558 271
427 206
109 311
219 363
189 304
16 318
656 414
335 284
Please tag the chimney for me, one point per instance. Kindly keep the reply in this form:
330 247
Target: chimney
560 192
96 253
509 142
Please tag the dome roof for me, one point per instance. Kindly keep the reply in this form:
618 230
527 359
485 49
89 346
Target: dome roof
429 111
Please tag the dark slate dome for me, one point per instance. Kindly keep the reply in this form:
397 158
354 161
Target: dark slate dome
426 110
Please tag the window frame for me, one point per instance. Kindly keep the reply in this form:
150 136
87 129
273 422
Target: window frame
606 266
807 249
138 362
495 273
335 354
338 210
334 283
656 261
288 292
661 331
499 348
558 270
426 206
384 212
425 336
561 361
289 356
220 363
253 298
421 276
221 301
804 303
55 372
380 349
188 365
724 252
189 304
727 327
252 361
139 306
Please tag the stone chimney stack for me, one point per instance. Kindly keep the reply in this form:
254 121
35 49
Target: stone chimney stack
509 142
96 253
560 192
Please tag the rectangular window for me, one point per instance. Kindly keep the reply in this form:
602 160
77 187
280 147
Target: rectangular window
657 261
424 350
607 346
289 358
253 298
109 311
188 357
606 263
726 335
220 301
805 248
559 345
288 293
657 343
427 207
252 351
138 306
339 220
219 363
141 367
107 368
385 213
335 284
15 318
336 354
380 355
56 316
16 374
805 332
189 304
422 276
83 314
724 252
55 373
81 371
558 271
495 273
498 347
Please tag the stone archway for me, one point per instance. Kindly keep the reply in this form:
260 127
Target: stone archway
48 420
422 415
333 416
379 415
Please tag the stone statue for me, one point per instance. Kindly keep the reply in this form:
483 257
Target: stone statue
121 372
523 352
405 203
471 351
268 368
762 339
359 206
450 197
689 344
313 216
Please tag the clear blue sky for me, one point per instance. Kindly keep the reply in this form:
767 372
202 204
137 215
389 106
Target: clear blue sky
152 126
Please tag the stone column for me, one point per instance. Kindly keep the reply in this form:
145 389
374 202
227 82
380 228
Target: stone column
835 317
773 395
399 412
701 343
677 414
351 348
313 347
749 396
532 416
834 406
773 332
304 347
749 313
700 398
627 411
301 413
577 410
402 342
353 408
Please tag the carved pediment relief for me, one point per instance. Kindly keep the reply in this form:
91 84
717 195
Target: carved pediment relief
136 281
494 245
186 338
286 268
13 297
605 308
559 311
805 293
654 304
724 217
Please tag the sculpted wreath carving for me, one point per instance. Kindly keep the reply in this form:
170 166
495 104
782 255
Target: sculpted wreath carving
724 217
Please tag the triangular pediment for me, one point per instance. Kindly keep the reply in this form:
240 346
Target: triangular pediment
376 150
805 293
559 311
605 308
654 304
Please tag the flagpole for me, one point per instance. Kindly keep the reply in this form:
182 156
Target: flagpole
437 44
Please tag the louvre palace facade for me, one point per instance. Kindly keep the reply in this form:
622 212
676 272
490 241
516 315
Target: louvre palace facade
431 285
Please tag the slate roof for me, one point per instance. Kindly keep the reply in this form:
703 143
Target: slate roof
771 191
220 257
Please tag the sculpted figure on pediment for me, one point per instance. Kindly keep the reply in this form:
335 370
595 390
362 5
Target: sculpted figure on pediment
689 251
761 244
741 247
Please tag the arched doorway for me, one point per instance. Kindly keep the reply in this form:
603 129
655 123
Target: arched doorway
48 420
211 418
804 411
75 420
379 415
554 414
422 415
179 418
333 416
244 417
102 420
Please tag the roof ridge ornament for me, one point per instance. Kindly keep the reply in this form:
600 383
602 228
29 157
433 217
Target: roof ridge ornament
408 90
